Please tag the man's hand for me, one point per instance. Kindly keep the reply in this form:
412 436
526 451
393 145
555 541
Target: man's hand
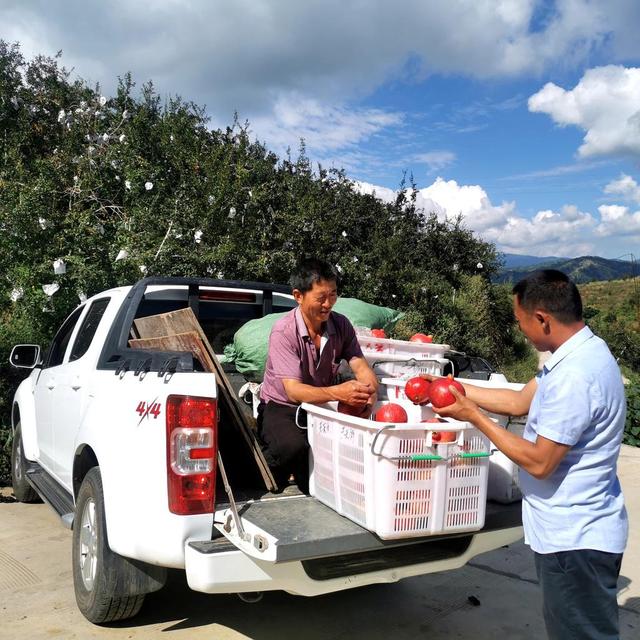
354 393
462 409
371 403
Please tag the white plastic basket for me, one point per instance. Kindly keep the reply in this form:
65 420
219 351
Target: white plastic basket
393 479
504 481
399 366
388 346
395 389
392 390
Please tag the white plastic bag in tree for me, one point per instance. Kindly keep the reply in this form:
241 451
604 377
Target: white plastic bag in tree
59 267
50 289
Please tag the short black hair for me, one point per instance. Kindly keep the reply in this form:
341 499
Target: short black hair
552 291
309 271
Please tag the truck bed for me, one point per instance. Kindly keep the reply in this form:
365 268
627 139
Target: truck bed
305 529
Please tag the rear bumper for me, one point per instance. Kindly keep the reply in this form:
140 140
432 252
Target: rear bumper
226 569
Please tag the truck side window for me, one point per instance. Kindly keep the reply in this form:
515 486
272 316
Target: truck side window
88 328
56 352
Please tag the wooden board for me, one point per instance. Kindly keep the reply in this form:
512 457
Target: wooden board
188 341
166 324
183 323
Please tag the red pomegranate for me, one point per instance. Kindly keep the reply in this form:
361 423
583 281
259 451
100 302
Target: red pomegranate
417 390
350 410
391 412
421 337
439 392
444 436
378 333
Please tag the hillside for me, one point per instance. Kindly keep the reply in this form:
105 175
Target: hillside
619 299
520 261
580 270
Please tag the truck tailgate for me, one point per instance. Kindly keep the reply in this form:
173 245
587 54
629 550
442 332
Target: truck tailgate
302 528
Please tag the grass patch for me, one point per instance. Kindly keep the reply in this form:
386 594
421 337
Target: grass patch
619 299
521 370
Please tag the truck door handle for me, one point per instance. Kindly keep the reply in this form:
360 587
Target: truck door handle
51 384
75 385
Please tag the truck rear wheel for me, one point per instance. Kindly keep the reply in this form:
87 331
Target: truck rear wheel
22 490
98 572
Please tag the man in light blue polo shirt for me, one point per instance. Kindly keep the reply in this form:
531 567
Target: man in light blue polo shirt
572 510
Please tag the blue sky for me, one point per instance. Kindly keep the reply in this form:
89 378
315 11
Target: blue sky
523 115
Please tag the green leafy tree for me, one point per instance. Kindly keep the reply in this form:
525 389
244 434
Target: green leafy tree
632 426
111 188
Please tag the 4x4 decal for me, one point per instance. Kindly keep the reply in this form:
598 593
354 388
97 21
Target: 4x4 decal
148 408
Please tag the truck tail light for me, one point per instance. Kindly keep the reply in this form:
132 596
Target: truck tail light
192 449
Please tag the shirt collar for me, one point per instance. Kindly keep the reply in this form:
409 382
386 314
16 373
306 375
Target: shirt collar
567 347
329 329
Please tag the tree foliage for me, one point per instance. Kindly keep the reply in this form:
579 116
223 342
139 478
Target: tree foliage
116 187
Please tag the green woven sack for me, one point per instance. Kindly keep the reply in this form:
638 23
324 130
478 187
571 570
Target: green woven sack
363 314
250 346
251 341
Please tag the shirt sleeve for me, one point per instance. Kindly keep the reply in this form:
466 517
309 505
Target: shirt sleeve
350 345
284 356
566 407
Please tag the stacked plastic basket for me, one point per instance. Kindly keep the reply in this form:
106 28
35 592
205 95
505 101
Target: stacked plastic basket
397 358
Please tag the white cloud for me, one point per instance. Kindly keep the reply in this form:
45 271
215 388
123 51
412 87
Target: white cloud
618 221
243 55
561 170
568 232
448 199
382 193
625 187
605 104
564 232
291 68
324 128
435 160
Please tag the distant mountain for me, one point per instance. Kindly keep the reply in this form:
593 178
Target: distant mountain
580 270
518 261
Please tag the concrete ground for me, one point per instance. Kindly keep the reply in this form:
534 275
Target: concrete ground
495 596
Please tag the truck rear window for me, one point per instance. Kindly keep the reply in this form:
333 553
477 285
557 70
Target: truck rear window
219 320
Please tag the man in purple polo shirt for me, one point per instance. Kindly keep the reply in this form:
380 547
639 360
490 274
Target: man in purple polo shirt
305 350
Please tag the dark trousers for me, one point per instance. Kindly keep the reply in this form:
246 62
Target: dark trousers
579 594
284 444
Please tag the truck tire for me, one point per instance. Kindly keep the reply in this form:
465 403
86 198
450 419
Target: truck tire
99 574
22 490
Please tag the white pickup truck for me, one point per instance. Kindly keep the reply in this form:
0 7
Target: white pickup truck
122 443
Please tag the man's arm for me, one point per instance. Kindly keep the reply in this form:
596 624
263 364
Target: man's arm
539 458
352 392
364 373
506 402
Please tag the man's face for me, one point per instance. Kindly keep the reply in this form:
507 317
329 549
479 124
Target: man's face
316 303
533 324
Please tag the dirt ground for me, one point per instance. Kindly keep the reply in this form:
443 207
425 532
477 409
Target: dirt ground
495 596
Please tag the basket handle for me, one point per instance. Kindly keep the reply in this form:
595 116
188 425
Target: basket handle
375 438
412 362
296 419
